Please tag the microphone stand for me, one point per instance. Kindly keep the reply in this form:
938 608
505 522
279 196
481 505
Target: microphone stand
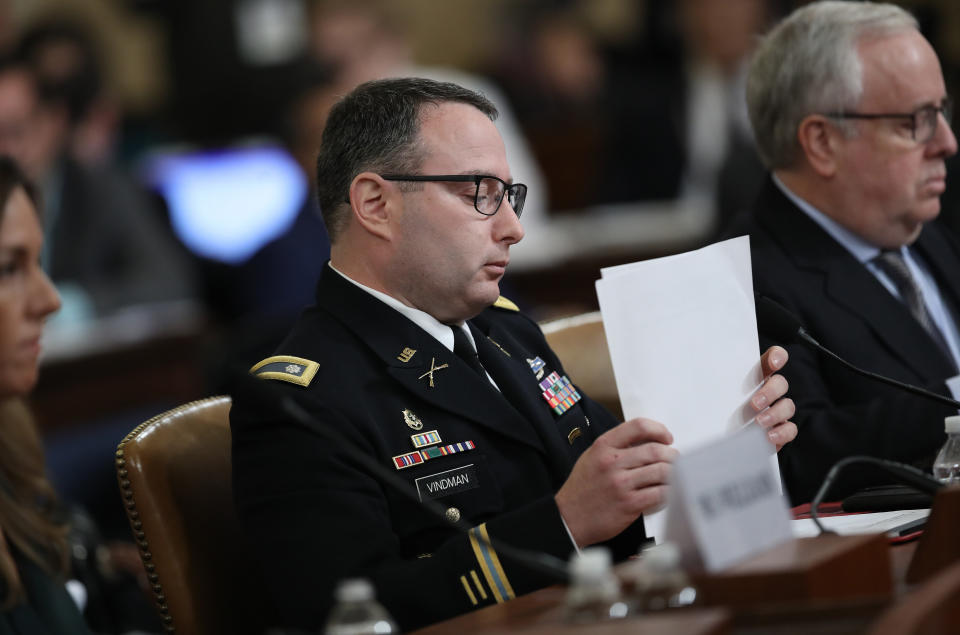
903 473
806 337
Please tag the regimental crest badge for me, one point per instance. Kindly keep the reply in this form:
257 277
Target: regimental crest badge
413 421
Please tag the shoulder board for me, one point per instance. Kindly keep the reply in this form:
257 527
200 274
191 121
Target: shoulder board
503 303
295 370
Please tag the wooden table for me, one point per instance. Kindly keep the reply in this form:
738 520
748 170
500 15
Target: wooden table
542 612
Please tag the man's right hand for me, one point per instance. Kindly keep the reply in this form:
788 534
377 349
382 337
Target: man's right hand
623 474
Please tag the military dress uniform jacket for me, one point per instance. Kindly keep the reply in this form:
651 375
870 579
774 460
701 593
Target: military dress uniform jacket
844 306
493 458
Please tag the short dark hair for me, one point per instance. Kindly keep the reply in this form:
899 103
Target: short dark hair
376 128
12 177
75 85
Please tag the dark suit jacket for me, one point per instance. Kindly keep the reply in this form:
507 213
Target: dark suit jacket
47 610
850 312
109 240
314 517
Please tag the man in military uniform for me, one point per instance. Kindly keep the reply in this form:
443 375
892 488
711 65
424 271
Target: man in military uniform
412 354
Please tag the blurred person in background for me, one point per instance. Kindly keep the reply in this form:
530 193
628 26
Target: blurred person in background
361 40
64 57
258 299
658 115
554 72
106 245
719 163
34 555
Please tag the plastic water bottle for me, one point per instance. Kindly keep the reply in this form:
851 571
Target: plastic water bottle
594 593
946 468
357 611
659 581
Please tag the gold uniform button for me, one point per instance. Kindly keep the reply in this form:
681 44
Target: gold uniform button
453 514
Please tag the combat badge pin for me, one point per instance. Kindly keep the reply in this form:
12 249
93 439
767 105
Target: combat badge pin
413 421
536 365
433 368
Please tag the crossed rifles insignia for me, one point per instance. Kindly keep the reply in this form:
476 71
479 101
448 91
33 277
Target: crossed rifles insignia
433 368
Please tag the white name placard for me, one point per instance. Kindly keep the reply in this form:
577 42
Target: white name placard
725 502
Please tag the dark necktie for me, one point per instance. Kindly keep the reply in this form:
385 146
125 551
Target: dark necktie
465 351
891 263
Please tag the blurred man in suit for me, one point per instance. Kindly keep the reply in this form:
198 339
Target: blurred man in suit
412 353
851 117
108 246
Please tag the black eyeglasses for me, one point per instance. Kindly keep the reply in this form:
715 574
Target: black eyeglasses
923 120
488 195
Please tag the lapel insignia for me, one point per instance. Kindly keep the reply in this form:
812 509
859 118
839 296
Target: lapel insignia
402 461
406 354
559 393
502 349
536 365
433 368
413 421
426 438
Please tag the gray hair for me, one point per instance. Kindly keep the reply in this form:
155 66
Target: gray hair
376 128
809 64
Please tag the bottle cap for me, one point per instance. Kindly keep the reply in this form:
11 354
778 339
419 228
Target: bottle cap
354 590
952 424
591 563
662 557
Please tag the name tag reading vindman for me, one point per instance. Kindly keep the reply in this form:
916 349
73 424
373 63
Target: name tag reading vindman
725 503
449 482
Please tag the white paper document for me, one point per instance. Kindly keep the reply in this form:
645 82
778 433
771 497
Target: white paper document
682 334
852 524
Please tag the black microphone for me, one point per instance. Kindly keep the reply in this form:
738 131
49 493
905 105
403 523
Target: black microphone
785 327
903 473
261 392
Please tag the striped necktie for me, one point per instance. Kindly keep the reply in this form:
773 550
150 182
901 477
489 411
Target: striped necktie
891 263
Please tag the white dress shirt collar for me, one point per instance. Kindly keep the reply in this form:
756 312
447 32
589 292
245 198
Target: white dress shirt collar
440 331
